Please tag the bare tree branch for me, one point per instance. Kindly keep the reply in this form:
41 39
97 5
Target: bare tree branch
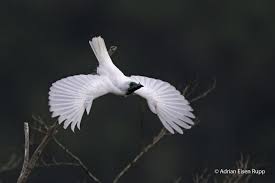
156 139
68 152
30 165
77 159
26 154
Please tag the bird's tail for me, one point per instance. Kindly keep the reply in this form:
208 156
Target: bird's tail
100 50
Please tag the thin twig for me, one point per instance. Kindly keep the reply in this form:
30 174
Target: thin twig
26 154
40 121
156 139
178 180
204 94
112 50
11 164
185 90
192 86
39 130
57 164
77 159
244 163
67 151
202 178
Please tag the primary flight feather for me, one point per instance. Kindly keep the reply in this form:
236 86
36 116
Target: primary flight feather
70 97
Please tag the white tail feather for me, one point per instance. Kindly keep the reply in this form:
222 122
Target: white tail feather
100 50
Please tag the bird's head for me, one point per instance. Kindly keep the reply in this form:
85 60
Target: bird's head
133 86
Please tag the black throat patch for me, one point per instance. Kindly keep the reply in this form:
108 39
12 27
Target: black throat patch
133 88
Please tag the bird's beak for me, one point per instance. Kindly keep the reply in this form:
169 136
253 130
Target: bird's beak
139 85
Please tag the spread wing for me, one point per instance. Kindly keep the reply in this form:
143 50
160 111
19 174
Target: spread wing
168 103
69 97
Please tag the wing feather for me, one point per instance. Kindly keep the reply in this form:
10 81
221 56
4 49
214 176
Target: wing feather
165 124
69 97
173 110
170 120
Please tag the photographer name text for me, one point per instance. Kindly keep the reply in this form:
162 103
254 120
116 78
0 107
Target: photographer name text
252 171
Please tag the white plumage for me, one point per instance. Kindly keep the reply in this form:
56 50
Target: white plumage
71 96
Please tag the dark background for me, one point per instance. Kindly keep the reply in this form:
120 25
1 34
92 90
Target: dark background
178 41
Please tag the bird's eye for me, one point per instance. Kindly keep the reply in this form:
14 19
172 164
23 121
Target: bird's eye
132 84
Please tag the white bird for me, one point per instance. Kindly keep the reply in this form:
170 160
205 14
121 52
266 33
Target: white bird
71 96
